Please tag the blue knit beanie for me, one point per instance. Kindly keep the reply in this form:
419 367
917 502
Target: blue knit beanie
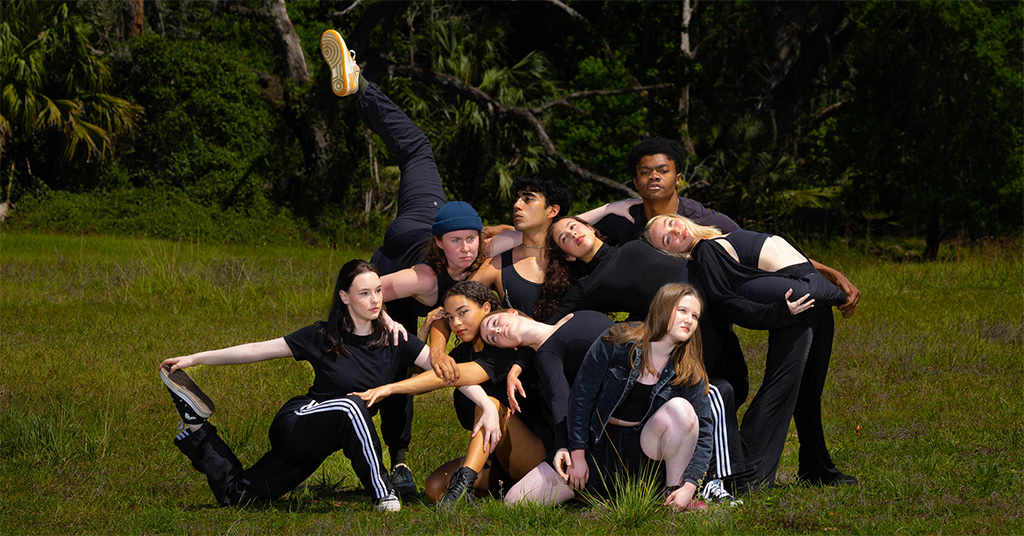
456 216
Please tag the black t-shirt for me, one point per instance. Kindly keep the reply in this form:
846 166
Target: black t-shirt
495 362
362 369
619 230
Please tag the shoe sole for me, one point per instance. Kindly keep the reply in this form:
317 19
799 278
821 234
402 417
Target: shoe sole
335 53
181 384
388 506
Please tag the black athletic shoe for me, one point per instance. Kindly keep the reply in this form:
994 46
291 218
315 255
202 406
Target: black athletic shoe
402 481
460 486
191 402
835 478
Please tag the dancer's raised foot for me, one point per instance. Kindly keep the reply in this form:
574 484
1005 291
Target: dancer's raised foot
342 61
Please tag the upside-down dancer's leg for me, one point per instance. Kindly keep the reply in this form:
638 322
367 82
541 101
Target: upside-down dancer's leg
420 194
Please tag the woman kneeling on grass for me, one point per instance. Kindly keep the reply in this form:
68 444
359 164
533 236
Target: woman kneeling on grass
639 398
514 440
349 352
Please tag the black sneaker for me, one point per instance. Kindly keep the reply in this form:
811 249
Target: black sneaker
459 487
715 492
401 480
191 402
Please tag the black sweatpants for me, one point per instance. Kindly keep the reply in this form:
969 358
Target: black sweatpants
303 434
795 372
420 196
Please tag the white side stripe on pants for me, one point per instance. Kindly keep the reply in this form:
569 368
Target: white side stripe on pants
362 431
723 465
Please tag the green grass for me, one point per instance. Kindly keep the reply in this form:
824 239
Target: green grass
924 402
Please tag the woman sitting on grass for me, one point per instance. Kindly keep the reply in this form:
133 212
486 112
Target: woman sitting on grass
640 399
512 439
349 352
743 267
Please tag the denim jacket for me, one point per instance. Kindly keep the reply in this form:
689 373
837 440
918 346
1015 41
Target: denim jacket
602 383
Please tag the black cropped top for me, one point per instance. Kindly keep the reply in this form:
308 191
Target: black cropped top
634 407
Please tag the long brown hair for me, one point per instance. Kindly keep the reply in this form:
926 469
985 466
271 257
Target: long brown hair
687 357
435 258
339 319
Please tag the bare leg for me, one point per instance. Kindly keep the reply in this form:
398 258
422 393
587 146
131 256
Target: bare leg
671 435
519 450
541 485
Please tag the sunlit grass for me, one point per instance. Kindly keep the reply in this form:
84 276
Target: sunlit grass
923 402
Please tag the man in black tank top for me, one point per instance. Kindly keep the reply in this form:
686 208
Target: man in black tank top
518 274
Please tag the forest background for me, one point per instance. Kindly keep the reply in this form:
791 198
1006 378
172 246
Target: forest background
213 120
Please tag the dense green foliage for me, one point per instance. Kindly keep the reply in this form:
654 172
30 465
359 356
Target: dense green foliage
55 112
922 402
849 119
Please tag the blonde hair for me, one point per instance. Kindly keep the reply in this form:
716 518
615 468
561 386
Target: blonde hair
687 356
696 230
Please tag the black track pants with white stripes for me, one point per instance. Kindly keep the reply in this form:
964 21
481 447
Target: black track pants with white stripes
303 434
727 452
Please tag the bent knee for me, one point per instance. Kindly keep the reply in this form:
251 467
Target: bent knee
681 414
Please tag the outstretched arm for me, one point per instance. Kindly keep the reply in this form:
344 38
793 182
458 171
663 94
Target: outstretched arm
617 208
470 374
234 355
420 282
501 239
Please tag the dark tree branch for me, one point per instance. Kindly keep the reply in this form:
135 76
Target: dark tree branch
564 101
495 108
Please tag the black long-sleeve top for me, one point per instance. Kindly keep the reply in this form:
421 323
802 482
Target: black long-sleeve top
623 279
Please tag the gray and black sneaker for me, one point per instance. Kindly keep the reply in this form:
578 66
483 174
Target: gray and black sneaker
388 504
402 481
460 486
191 402
715 492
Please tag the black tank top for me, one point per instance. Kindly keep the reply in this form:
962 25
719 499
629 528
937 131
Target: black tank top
748 246
634 407
519 293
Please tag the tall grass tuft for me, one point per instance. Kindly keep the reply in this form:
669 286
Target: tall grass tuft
634 500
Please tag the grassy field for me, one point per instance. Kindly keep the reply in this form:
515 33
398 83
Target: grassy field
924 402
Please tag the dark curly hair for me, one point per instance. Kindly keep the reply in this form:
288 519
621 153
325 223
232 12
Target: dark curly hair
670 148
475 292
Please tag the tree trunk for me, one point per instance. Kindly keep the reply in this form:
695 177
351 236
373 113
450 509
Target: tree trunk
684 93
310 127
131 19
294 62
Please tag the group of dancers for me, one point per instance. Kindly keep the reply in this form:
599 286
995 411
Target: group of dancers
559 399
